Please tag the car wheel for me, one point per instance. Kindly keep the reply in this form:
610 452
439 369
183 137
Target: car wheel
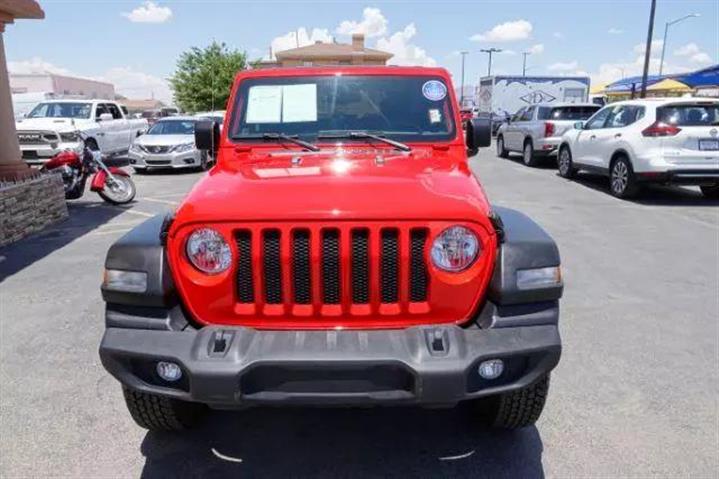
528 154
564 163
501 150
160 413
622 182
710 191
515 409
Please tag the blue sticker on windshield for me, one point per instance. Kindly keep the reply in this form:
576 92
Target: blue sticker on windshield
434 90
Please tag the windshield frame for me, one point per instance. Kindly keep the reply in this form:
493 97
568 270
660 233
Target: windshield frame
50 103
454 134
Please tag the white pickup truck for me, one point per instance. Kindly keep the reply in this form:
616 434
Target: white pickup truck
54 125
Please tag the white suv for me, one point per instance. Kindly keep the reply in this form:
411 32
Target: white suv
662 140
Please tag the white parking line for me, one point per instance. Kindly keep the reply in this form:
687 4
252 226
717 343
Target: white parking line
157 200
110 232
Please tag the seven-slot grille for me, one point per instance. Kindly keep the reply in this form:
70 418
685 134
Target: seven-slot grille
339 269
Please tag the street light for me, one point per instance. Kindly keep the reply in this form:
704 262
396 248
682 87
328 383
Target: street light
490 51
666 29
461 96
647 51
524 63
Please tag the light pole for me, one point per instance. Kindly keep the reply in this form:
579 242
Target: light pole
490 51
648 50
666 29
524 63
461 95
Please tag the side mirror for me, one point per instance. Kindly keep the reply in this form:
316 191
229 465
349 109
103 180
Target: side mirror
104 117
207 136
479 135
579 125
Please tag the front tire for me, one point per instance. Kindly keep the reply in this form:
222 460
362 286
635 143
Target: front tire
517 409
710 191
622 182
528 156
501 150
119 194
204 161
565 166
160 413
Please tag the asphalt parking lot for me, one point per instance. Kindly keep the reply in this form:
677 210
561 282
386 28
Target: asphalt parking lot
635 393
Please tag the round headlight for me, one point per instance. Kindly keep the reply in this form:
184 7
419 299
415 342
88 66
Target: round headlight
208 251
455 249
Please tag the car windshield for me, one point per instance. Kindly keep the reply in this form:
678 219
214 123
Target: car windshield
173 127
61 110
403 108
573 113
689 114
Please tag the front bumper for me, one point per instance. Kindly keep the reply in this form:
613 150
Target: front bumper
232 367
185 159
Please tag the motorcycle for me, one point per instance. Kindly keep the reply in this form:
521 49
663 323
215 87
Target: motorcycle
113 184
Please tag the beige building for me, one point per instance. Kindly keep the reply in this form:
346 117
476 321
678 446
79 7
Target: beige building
329 54
61 85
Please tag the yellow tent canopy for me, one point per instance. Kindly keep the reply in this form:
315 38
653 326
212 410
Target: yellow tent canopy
598 88
669 85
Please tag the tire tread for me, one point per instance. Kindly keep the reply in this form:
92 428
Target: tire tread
522 408
159 413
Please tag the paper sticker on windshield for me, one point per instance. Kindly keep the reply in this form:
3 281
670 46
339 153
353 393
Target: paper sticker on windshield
264 104
435 116
434 90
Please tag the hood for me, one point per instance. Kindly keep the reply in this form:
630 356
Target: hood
50 124
164 140
337 184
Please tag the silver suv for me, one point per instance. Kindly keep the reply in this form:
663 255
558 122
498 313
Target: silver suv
536 131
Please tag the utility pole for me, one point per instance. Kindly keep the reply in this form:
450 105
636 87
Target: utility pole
461 95
648 50
666 29
490 51
524 63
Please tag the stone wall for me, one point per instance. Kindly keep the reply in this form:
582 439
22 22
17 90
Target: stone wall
29 206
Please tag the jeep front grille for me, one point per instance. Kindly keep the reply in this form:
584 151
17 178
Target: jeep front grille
330 270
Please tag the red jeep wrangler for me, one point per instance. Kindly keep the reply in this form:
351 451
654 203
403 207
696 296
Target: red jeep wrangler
340 253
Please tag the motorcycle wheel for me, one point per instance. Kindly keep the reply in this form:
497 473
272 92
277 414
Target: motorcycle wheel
119 192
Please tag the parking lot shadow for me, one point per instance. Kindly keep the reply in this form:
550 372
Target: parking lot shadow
83 218
316 443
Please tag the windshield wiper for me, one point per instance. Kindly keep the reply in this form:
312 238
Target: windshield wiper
278 137
364 134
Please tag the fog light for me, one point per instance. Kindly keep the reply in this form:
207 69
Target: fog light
169 371
491 369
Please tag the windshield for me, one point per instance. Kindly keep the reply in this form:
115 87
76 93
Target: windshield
173 128
403 108
567 112
689 115
61 110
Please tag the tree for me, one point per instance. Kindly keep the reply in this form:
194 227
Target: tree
204 77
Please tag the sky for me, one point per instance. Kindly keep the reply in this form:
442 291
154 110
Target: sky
135 43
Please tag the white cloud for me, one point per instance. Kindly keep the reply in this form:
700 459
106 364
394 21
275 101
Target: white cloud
558 35
128 82
700 58
563 66
300 38
615 31
373 24
405 52
507 52
149 12
641 47
536 49
35 65
505 32
138 85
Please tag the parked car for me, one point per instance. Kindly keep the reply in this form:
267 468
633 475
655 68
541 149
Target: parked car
635 142
216 116
152 116
54 126
536 131
341 253
170 143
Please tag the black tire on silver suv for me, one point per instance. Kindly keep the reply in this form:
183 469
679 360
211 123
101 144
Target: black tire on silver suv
622 182
516 409
501 150
565 166
528 156
160 413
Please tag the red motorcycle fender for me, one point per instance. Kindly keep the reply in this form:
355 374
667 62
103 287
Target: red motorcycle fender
98 181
